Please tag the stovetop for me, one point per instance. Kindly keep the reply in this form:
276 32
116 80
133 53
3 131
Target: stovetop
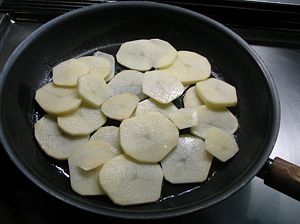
23 202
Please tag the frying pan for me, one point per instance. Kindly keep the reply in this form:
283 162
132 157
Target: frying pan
104 27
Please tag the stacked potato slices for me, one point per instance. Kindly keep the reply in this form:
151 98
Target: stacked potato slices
129 162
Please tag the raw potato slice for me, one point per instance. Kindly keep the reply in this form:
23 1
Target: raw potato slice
57 100
111 60
109 134
142 55
184 118
93 89
189 67
127 182
163 54
208 118
189 162
128 81
97 65
220 144
148 138
83 182
191 99
162 87
83 121
120 107
67 72
94 154
150 105
53 141
216 93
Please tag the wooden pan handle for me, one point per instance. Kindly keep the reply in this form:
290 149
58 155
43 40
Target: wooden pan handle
284 177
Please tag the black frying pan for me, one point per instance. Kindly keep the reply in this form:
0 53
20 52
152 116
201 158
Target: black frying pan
104 27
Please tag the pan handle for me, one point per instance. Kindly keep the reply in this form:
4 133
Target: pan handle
282 176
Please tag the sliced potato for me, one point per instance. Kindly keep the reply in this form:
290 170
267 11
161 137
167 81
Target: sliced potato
109 134
220 144
184 118
53 141
57 100
97 65
93 89
189 67
148 138
67 72
191 99
111 60
128 182
128 81
189 162
120 107
83 182
208 118
163 54
216 93
83 121
142 55
94 154
150 105
161 87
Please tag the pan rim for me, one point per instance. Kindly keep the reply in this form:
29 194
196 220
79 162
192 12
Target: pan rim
246 177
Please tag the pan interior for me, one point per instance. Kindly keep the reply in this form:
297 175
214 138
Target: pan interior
104 28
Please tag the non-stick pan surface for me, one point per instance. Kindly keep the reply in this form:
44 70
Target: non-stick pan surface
104 27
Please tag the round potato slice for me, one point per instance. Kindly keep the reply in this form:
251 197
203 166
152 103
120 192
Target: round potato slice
120 107
97 65
127 182
109 134
83 182
220 144
53 141
93 89
189 67
94 154
83 121
128 81
148 138
189 162
208 118
162 87
67 72
216 93
57 100
142 55
163 54
184 118
111 60
150 105
191 99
